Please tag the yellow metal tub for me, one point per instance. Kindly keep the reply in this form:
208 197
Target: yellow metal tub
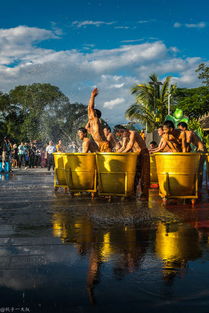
59 172
116 173
153 170
80 172
178 174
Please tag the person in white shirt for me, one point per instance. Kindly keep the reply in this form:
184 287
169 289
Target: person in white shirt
50 158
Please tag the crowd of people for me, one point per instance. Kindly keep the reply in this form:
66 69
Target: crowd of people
28 154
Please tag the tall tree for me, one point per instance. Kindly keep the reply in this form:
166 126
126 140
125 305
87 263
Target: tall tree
151 104
40 111
33 100
193 101
203 71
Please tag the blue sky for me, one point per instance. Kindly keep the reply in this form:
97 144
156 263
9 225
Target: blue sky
77 45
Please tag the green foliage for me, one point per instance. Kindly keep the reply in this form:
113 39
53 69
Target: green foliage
203 73
196 126
207 142
41 112
151 104
194 102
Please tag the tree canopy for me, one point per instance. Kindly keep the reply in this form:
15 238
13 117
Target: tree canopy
203 71
41 112
193 101
151 104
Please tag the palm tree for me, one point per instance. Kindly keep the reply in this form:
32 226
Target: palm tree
151 104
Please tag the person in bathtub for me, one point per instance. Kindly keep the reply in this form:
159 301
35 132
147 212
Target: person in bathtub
113 142
172 140
94 125
192 138
134 142
87 144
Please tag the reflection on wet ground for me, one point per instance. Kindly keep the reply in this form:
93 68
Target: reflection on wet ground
59 254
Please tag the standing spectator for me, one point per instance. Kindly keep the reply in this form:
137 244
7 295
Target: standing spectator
14 155
59 146
142 134
6 153
21 154
26 155
37 157
43 158
31 152
50 158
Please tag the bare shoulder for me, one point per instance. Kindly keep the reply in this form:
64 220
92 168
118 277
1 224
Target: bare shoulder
86 140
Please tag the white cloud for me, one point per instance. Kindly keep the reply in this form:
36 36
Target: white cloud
122 27
112 103
197 25
17 43
117 85
174 49
144 21
177 25
80 24
132 40
113 71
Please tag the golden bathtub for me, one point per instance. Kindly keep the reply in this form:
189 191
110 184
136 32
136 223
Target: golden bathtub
59 171
116 173
153 170
178 174
80 172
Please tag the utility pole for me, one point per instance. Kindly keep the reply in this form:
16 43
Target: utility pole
169 103
154 86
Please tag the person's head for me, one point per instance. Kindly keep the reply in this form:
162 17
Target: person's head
59 142
97 113
107 130
82 133
51 143
120 130
160 131
182 126
14 145
153 144
168 127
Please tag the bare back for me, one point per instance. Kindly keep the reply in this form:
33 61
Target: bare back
194 139
96 130
139 143
135 143
88 146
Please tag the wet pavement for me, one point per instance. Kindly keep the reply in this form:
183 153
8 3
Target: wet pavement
63 254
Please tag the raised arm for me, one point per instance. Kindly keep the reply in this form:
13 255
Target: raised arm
94 93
